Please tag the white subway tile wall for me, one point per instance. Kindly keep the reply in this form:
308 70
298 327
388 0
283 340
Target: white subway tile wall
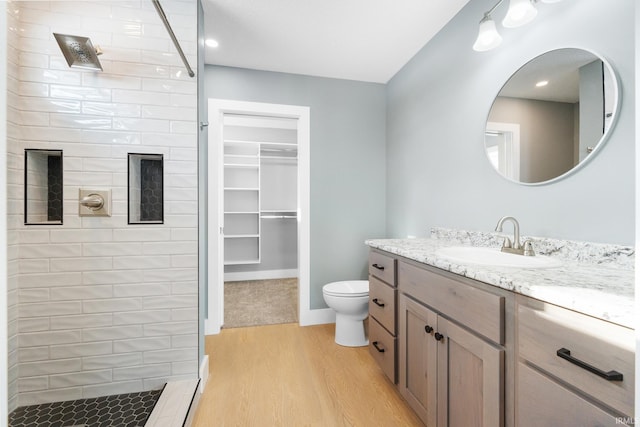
98 306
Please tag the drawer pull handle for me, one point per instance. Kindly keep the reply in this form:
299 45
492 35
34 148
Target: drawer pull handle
428 329
438 336
609 376
380 349
379 267
379 304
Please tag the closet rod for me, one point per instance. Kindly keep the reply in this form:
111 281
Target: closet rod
244 141
165 21
278 158
278 216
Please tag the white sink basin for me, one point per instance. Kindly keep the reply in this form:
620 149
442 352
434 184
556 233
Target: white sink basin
494 257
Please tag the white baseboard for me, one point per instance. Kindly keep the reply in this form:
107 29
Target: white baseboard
307 318
260 275
204 372
211 327
317 317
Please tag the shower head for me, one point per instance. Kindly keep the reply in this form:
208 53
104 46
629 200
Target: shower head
79 51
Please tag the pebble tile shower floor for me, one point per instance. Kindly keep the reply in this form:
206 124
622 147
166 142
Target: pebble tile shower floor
120 410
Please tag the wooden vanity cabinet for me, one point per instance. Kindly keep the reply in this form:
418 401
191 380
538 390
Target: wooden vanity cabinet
579 368
382 312
465 354
450 355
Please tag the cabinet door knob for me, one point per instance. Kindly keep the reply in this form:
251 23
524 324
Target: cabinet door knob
428 329
438 336
376 302
380 349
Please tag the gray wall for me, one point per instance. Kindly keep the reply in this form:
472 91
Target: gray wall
347 161
437 172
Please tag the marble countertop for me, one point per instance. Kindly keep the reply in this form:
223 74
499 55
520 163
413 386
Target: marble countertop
594 279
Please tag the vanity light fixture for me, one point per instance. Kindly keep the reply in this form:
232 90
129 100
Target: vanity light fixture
488 36
520 12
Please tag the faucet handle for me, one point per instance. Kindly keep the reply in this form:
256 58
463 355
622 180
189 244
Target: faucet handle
528 248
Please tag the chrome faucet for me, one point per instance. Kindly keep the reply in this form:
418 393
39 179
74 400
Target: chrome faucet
515 247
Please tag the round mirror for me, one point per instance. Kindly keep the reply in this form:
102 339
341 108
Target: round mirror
551 116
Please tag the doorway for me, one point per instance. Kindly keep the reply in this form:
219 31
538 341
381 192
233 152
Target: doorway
502 142
258 207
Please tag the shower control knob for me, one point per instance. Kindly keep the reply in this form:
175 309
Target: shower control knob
93 201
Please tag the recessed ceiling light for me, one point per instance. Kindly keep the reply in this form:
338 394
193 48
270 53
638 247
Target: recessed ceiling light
542 83
211 43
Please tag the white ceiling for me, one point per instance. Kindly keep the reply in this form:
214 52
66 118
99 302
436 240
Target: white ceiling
366 40
559 67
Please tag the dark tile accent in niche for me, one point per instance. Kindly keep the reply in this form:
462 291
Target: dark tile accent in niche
151 190
43 186
54 190
120 410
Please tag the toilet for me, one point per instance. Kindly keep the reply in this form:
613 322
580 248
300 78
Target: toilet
350 301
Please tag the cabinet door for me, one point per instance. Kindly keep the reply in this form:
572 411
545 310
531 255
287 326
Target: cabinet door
417 358
470 379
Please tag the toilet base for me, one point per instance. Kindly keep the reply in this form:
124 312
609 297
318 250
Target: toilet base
350 332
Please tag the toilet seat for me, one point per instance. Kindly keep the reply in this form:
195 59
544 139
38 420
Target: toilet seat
347 289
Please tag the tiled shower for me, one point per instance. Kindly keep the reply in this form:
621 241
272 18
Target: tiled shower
98 306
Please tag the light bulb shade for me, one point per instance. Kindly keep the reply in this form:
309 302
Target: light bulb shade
520 12
488 36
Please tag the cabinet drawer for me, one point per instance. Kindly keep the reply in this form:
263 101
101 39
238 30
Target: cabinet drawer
543 329
479 310
541 402
382 304
382 346
382 267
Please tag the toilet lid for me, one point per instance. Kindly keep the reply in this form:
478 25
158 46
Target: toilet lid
348 288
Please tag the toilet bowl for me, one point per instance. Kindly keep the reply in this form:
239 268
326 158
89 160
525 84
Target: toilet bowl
350 301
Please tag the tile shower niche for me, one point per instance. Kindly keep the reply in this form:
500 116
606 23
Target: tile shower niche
42 187
146 198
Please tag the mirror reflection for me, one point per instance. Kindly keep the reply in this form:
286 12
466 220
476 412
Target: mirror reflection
42 186
551 115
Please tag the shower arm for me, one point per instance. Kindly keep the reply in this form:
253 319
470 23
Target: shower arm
165 21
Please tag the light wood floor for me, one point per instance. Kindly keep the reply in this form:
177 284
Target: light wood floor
286 375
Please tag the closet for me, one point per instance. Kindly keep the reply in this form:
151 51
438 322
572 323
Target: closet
260 197
258 204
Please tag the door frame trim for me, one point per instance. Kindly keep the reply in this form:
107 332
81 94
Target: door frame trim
215 216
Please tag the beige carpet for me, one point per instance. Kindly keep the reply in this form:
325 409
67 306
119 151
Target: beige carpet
260 302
